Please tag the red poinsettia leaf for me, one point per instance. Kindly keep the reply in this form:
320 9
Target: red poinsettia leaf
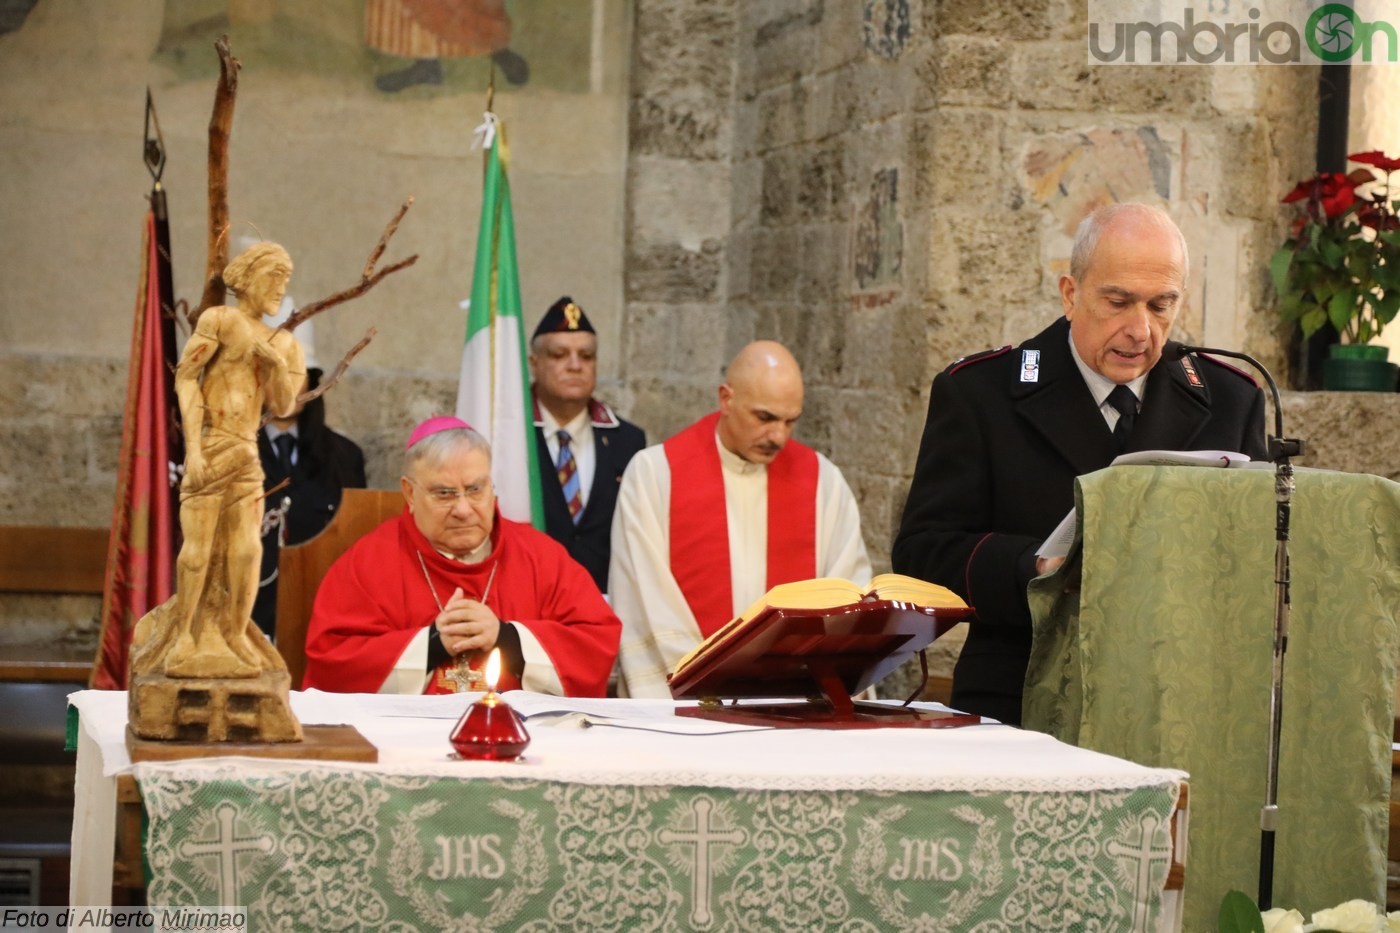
1304 189
1360 176
1377 158
1377 218
1320 186
1337 203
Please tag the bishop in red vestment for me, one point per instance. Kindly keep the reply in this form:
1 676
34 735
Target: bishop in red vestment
417 604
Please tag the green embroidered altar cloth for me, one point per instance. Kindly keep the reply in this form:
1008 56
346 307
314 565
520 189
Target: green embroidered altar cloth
1164 656
316 847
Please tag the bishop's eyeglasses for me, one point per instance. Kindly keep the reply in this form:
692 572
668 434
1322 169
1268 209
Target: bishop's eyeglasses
445 497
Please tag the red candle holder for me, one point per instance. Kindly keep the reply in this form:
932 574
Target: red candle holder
490 731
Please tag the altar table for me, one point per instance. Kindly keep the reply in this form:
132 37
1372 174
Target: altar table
623 816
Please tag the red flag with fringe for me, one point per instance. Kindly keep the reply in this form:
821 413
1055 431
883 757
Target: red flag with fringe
140 551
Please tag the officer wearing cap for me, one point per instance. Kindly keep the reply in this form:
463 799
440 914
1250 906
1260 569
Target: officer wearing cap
583 446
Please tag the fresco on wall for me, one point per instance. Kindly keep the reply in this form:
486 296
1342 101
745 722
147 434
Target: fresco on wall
878 243
13 13
429 31
408 48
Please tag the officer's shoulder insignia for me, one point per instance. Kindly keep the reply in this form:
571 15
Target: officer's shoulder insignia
1193 378
601 415
960 362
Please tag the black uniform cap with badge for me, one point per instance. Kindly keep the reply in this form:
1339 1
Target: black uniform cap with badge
564 317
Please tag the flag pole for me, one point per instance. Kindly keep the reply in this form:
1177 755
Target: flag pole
141 545
493 392
155 158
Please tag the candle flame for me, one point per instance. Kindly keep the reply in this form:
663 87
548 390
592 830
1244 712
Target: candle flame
493 668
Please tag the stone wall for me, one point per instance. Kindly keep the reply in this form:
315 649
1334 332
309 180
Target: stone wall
887 185
1358 432
60 431
680 254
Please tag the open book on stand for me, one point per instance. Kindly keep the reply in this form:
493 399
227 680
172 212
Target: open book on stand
1059 541
825 640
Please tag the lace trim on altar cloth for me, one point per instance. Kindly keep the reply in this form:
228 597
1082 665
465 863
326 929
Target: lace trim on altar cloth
257 770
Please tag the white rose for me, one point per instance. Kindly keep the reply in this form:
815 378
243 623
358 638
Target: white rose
1278 920
1392 922
1356 916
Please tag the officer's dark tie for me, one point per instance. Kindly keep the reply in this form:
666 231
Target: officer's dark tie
284 444
1123 399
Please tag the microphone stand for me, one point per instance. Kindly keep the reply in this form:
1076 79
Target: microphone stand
1281 449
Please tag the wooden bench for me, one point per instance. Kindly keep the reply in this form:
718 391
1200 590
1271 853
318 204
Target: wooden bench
35 818
50 561
39 559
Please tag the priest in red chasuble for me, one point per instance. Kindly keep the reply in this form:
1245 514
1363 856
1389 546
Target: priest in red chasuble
709 521
417 604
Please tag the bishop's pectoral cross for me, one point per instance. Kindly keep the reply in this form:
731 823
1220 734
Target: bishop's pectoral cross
464 677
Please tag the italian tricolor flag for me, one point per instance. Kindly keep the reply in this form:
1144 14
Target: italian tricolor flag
493 393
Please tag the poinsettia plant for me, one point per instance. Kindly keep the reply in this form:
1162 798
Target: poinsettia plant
1341 261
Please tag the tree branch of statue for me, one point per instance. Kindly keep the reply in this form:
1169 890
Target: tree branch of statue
339 370
369 278
220 128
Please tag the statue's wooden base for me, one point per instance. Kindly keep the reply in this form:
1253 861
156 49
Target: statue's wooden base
213 710
320 743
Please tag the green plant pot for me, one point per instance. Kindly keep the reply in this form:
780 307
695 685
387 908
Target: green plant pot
1359 351
1357 375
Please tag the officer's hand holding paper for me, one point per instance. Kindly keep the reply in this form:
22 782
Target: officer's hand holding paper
1056 547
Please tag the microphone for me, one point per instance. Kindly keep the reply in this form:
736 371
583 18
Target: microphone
1279 447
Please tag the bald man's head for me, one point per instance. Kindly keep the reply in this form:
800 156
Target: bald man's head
760 401
1125 288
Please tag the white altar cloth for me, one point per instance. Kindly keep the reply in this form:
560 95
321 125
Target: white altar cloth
609 742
